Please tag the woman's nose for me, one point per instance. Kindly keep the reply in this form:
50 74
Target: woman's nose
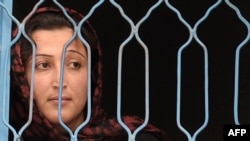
56 85
56 79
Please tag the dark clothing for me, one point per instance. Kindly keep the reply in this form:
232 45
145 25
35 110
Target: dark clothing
139 137
146 137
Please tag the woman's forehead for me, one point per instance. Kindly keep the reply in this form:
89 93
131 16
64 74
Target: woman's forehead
56 39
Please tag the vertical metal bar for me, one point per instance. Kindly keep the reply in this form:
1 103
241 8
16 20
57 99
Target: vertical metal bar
5 39
237 59
192 35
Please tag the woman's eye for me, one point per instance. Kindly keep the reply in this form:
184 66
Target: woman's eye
42 65
74 65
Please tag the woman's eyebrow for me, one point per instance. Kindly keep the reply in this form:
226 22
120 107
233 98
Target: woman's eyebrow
46 55
37 55
77 53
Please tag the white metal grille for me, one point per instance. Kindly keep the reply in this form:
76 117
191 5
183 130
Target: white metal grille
5 43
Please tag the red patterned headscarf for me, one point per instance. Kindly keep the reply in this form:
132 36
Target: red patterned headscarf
100 127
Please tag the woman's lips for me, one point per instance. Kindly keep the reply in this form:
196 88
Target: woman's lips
55 99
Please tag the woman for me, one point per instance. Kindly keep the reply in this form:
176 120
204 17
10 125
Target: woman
50 30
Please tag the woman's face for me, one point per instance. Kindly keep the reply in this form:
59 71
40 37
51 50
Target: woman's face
50 45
